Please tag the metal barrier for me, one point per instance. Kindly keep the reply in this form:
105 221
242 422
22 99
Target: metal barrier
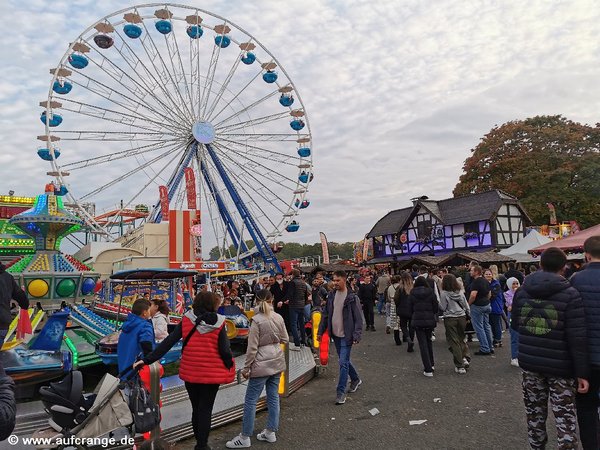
155 370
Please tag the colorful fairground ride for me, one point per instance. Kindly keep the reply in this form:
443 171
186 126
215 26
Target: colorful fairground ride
164 92
54 282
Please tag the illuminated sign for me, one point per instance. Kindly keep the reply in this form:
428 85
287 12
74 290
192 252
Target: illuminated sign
200 266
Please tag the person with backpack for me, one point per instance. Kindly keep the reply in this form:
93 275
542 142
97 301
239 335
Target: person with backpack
455 310
264 363
424 307
404 311
206 360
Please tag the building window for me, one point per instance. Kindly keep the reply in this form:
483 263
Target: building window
424 229
472 227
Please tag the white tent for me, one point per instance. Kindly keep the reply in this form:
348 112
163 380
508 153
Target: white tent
519 250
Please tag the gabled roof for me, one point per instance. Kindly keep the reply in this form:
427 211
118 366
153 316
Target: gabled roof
451 211
391 223
473 207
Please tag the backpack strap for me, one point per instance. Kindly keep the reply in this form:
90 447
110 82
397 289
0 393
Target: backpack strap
189 335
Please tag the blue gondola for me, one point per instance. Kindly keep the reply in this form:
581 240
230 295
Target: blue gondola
63 88
61 191
297 124
304 204
54 121
286 100
303 177
293 227
132 31
304 152
78 61
249 58
45 154
270 77
103 41
164 26
222 41
195 31
297 203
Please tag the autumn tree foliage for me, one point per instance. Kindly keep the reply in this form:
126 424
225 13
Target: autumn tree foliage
540 160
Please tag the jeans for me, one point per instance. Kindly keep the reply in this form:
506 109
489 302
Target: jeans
514 344
455 336
346 367
369 315
587 412
297 322
255 388
496 324
380 302
408 332
307 312
202 397
480 318
426 348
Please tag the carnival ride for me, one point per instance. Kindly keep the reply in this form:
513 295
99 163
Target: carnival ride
159 89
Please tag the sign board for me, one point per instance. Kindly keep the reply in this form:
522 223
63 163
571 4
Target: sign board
200 266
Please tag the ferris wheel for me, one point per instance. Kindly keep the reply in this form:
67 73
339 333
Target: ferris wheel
152 91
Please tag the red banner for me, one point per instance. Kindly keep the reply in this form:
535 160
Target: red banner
190 187
164 202
325 248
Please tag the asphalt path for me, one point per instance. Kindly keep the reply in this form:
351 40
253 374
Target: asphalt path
480 410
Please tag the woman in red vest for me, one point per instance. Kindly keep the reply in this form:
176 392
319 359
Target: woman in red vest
206 360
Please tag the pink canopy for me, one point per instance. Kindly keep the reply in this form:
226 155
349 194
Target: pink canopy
571 244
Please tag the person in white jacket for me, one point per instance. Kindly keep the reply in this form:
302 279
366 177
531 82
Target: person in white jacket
159 312
265 361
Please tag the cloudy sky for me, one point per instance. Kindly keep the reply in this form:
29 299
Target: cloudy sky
397 92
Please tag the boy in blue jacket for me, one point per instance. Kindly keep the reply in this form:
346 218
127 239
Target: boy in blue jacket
137 335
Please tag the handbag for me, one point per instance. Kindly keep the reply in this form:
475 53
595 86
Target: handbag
146 414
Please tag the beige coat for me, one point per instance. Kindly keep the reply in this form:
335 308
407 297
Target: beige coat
264 356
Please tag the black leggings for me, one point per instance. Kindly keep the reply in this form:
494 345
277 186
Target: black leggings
202 397
425 347
368 311
408 332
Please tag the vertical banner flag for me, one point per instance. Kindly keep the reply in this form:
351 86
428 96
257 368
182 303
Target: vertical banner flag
190 187
325 248
366 249
552 210
164 202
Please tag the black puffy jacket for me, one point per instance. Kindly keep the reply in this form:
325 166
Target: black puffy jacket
587 282
549 316
8 405
423 306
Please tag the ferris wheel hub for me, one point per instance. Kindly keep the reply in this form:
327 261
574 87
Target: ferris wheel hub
203 132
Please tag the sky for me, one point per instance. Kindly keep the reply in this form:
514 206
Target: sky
397 92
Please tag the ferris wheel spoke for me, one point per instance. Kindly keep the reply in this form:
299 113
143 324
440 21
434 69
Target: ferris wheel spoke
118 155
152 53
241 187
115 136
173 49
208 81
252 122
130 173
118 117
139 86
225 84
106 92
240 92
265 137
249 169
260 151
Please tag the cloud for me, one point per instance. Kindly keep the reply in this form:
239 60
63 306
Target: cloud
397 93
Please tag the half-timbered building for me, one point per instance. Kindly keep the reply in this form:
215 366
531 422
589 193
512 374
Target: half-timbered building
472 223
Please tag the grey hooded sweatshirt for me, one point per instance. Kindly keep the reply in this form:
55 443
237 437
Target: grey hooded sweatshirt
453 304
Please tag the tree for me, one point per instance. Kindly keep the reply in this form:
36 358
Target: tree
540 160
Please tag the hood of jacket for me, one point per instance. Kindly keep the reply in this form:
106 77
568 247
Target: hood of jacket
207 321
542 284
456 296
421 292
133 322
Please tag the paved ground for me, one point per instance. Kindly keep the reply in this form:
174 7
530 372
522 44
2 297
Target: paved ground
480 410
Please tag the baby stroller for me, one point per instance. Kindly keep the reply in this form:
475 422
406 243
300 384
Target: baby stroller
86 421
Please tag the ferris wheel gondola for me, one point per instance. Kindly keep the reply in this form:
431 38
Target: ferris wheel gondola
151 90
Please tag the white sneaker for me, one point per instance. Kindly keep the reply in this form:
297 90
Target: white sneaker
428 374
460 370
514 362
432 337
240 441
294 348
466 363
266 435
